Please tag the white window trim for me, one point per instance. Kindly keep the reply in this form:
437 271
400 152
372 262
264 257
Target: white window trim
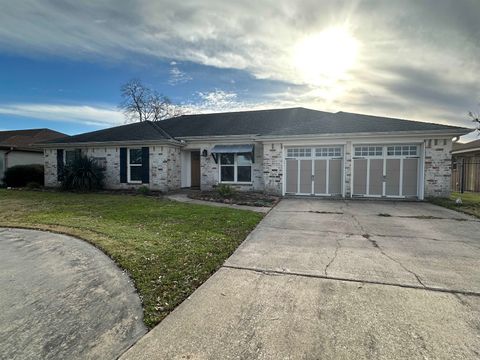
129 180
65 154
235 167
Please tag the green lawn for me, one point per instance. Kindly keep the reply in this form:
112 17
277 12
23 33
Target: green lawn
168 248
471 203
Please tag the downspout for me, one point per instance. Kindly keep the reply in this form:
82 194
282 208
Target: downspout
5 163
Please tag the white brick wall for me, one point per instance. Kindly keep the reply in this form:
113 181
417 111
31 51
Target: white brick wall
164 167
273 167
438 167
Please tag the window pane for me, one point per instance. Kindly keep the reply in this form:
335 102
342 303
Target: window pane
135 173
135 156
227 159
69 156
244 173
227 173
244 159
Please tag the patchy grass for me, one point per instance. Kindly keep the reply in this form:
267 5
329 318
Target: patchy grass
470 203
168 248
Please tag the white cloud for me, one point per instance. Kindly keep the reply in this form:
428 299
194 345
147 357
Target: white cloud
177 76
86 114
434 37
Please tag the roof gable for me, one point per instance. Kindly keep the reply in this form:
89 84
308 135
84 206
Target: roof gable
140 131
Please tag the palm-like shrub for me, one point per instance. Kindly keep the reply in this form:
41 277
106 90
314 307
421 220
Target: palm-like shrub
82 174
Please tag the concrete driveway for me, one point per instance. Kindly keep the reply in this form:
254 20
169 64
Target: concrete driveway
62 298
321 279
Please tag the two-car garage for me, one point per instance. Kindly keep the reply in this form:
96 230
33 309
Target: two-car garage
377 170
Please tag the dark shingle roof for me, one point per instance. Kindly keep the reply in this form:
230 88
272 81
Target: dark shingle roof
27 139
291 121
146 130
466 146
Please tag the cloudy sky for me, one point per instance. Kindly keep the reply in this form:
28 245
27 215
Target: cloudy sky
62 61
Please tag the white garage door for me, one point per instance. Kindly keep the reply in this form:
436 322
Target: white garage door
314 170
386 170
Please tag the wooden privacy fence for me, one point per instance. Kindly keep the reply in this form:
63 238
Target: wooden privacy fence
466 175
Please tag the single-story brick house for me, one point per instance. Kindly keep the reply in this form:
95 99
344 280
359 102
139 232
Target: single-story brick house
294 151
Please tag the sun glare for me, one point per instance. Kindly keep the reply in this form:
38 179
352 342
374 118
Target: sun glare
325 58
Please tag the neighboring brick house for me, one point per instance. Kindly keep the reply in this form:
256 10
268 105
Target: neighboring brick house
20 147
466 165
294 151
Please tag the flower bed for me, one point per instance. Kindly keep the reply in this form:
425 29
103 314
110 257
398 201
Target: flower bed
238 198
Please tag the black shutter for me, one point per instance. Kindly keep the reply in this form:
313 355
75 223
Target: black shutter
145 165
59 164
123 165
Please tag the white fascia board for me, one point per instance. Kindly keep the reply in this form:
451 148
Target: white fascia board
110 143
351 136
247 137
465 150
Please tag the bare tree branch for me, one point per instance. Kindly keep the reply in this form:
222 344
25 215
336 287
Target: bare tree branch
139 103
475 116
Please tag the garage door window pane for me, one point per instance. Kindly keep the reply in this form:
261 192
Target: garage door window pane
402 150
299 152
367 151
330 151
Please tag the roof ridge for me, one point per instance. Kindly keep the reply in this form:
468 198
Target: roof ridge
160 129
244 111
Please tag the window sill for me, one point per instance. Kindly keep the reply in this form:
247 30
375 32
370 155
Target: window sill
236 183
134 183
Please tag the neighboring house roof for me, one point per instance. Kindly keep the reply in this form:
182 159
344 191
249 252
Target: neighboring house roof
472 146
275 122
28 139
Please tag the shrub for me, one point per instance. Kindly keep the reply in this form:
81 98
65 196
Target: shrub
33 185
82 174
225 191
21 175
144 190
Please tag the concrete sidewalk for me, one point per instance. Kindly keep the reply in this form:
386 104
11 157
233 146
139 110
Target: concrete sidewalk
335 280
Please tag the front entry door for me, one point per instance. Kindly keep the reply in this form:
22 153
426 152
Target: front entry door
195 169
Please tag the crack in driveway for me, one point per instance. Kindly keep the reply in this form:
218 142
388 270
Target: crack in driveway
375 244
361 281
334 256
